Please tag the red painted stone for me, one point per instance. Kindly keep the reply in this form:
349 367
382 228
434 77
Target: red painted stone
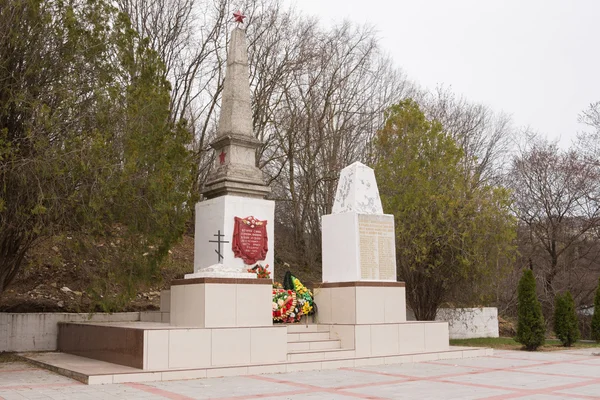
250 242
239 17
222 157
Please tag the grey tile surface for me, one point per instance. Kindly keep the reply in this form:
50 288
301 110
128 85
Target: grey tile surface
506 375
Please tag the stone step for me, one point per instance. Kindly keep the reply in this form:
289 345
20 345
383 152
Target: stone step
302 328
314 345
307 336
91 371
320 355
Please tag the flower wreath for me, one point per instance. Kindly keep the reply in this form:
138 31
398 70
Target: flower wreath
284 303
291 301
305 304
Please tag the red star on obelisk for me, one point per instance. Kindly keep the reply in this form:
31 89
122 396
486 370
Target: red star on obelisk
239 17
222 157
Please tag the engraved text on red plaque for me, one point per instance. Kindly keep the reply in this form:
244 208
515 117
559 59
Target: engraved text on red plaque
250 239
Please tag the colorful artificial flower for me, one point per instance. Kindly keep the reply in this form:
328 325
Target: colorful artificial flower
286 304
261 272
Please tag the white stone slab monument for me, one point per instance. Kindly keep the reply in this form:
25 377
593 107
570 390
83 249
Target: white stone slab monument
360 297
358 238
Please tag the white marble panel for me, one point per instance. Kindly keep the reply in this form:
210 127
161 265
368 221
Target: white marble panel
343 305
267 369
254 305
362 340
183 375
190 348
221 305
436 336
340 248
221 372
370 305
138 377
411 337
231 346
394 305
345 333
157 349
384 340
195 305
268 345
178 305
323 300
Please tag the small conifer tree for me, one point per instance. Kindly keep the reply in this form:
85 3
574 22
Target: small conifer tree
596 317
530 327
565 319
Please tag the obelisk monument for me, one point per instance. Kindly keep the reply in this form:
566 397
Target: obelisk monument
234 225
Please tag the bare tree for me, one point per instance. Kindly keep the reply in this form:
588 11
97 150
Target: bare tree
485 136
329 101
556 200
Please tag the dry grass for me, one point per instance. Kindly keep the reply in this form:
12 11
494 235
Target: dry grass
504 343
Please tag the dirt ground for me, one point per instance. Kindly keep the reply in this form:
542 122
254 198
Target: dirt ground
54 280
51 282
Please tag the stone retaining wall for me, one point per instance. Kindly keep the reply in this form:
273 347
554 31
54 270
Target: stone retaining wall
39 331
467 323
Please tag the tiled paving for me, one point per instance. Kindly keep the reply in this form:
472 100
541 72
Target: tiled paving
573 374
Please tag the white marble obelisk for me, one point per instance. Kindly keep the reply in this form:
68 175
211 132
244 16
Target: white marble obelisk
235 187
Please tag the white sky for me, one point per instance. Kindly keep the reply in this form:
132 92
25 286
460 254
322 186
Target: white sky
537 60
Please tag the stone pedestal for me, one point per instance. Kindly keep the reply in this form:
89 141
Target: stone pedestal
218 215
358 247
371 318
361 303
221 303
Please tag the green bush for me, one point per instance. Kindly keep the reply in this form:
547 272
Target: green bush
596 317
530 326
566 325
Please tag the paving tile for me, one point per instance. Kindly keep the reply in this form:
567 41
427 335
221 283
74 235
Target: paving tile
422 370
544 355
489 362
315 395
221 387
545 397
429 390
587 390
332 378
575 369
515 380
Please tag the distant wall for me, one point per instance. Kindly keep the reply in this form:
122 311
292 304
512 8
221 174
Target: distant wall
39 331
466 323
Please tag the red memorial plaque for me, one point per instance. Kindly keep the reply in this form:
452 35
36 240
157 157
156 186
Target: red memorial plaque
250 239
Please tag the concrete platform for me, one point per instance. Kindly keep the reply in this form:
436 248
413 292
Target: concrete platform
98 353
569 374
93 372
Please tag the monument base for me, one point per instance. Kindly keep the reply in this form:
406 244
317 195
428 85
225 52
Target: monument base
361 302
96 353
221 302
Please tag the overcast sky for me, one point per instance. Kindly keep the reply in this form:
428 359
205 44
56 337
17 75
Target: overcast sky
538 61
